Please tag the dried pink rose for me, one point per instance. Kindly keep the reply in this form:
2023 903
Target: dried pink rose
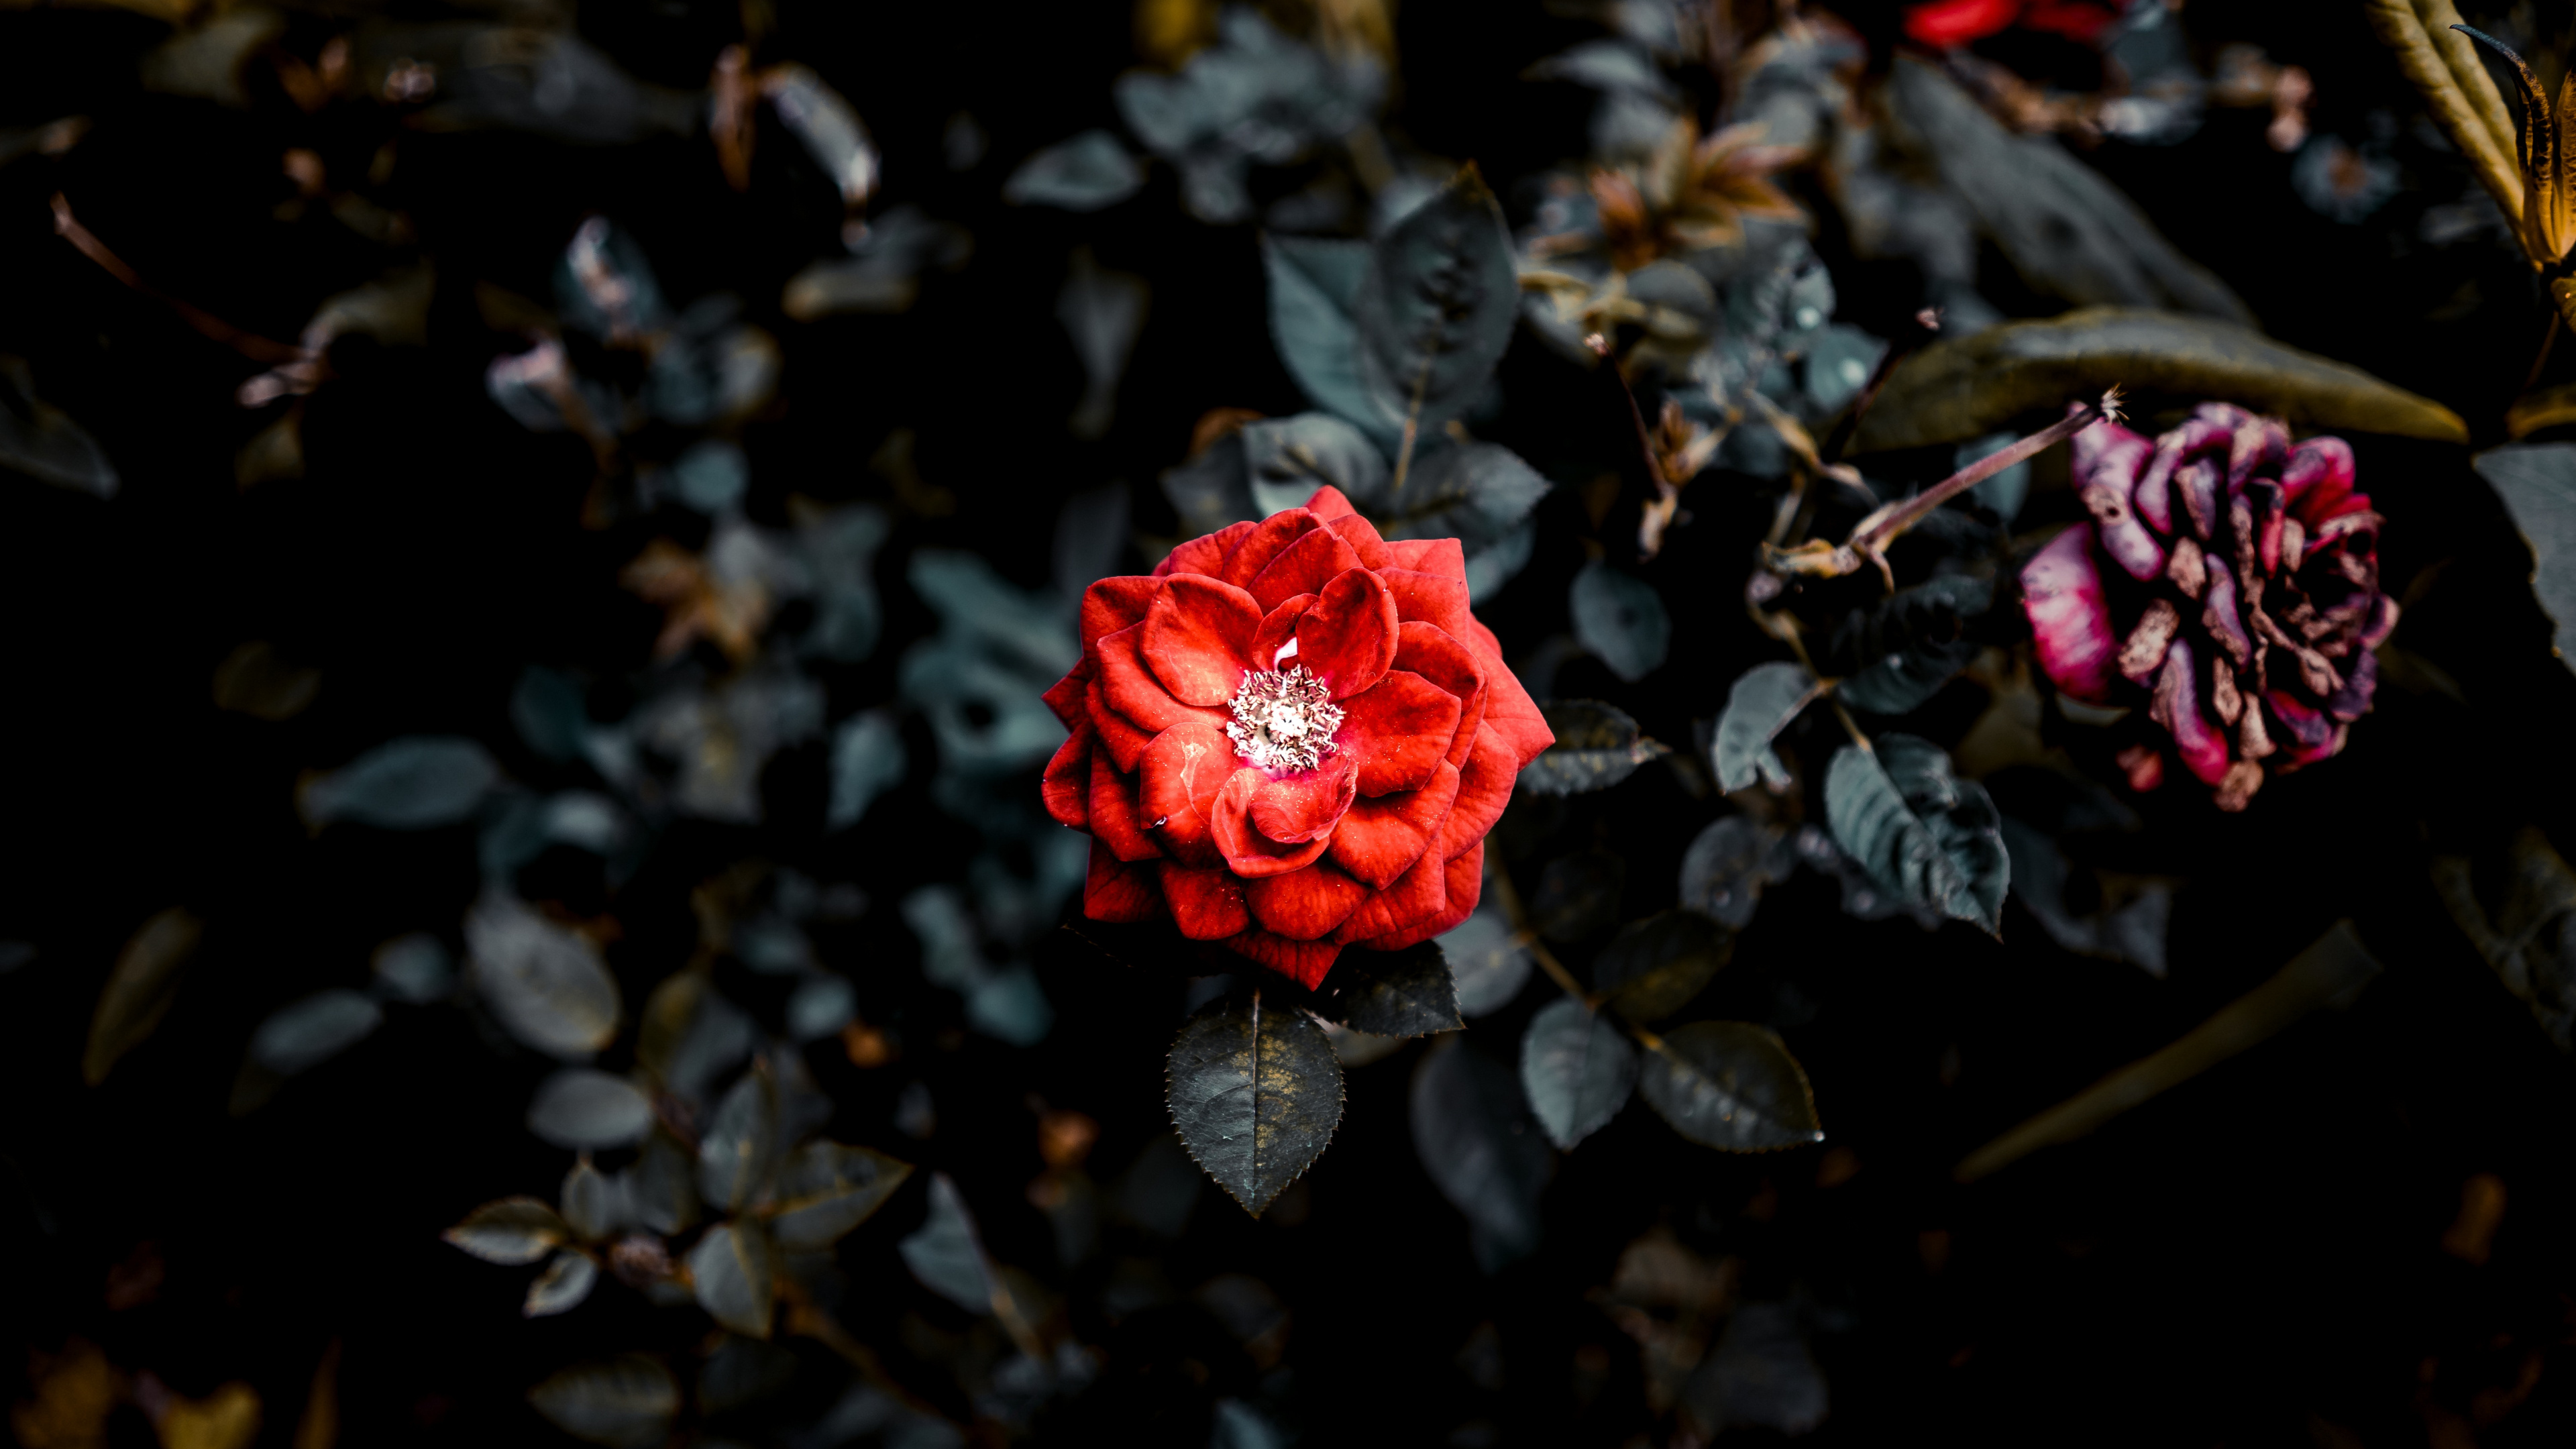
2229 581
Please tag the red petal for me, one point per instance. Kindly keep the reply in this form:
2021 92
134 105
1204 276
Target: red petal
1065 695
2061 590
1420 895
1304 567
1466 881
2203 746
1329 504
1361 536
1348 638
1277 628
2318 472
1304 905
1113 604
1204 554
1484 788
1124 742
1180 774
1509 710
1247 852
1206 904
1429 597
1956 22
1441 556
1113 812
1197 636
2111 455
1066 786
1264 543
1427 650
1397 731
1133 690
1116 891
1304 806
1305 962
1381 839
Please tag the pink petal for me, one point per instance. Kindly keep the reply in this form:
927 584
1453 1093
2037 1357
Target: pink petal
1179 776
1427 650
2203 747
1362 537
2061 590
1329 504
1205 554
1466 880
1444 557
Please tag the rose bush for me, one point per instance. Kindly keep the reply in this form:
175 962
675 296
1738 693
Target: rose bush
2241 604
1291 737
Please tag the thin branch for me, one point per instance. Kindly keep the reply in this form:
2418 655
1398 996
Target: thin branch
248 344
2548 340
1412 428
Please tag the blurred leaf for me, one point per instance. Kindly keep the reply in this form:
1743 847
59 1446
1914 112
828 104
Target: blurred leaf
1730 1085
2005 491
37 440
820 1007
944 1252
2537 482
228 1418
691 1035
1091 534
1212 488
596 1205
1914 640
744 1371
832 132
1085 172
255 681
826 1189
309 1032
206 61
867 760
1577 1069
712 475
1102 310
1395 993
1289 458
546 706
560 1289
2529 937
627 1402
1597 746
1727 865
741 1147
1476 1139
1838 362
1240 1426
75 1392
1621 618
1967 387
1760 704
414 969
1314 285
1578 895
1760 1375
415 783
1921 833
1488 964
839 546
662 1185
1256 1093
883 271
1010 1006
511 1231
583 1108
2134 932
139 990
524 79
545 983
1435 310
1653 967
733 1270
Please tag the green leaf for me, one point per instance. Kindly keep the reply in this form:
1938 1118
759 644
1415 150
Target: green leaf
2537 482
1727 865
1923 834
595 1204
38 440
1474 1134
1653 967
627 1402
1577 1069
662 1185
1476 493
550 713
1314 284
1290 458
826 1189
511 1231
741 1148
1213 487
309 1032
1730 1085
1488 964
2133 932
583 1108
944 1252
546 984
2526 930
867 760
1760 1375
1255 1092
416 783
1970 386
1621 618
733 1270
1915 642
1760 705
1085 172
1597 746
139 990
1435 311
1838 362
745 1370
1395 993
560 1289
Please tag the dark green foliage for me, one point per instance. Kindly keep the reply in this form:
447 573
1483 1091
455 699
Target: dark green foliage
1255 1093
583 1108
945 1252
1621 618
1759 705
1921 833
1909 646
2537 482
1314 285
1597 746
626 1402
1435 309
825 1189
1577 1069
733 1270
1395 993
1472 1129
1730 1085
1653 967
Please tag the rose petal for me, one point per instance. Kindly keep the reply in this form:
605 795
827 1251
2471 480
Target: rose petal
1305 962
1363 538
1133 689
1305 806
1065 695
1179 776
1440 557
1198 639
1329 504
1124 742
1380 839
2224 621
1277 628
1429 597
1205 555
2124 538
2110 456
2177 708
1113 890
1427 650
1419 895
2259 445
1304 905
1313 560
1066 786
1248 853
1347 639
1265 542
1114 822
2061 590
2318 474
1207 904
1508 707
2361 681
2193 438
2198 481
1397 730
1110 605
1466 881
1484 788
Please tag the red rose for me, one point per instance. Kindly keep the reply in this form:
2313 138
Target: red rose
1291 737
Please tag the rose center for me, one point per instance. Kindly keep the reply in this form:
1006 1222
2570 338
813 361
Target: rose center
1283 719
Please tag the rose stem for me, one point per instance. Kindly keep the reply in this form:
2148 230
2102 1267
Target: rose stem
248 344
1412 429
1875 536
1546 958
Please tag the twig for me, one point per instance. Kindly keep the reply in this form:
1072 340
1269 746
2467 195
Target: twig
248 344
1412 428
1521 932
2548 340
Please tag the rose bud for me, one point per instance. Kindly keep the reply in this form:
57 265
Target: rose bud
2229 583
1290 738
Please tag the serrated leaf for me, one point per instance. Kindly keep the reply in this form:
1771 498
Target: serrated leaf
741 1148
1728 864
1970 386
1597 746
1922 833
2537 482
627 1402
1620 618
1913 642
560 1289
140 989
583 1108
1436 309
1395 993
826 1189
307 1033
733 1270
1289 458
945 1253
1255 1093
416 783
1577 1068
546 984
1731 1085
513 1230
1084 172
1653 967
1759 705
1476 1139
1314 283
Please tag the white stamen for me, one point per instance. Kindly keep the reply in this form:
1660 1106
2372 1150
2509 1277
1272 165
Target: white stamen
1283 720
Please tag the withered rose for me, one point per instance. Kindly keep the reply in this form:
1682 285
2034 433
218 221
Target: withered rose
1291 738
2240 603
